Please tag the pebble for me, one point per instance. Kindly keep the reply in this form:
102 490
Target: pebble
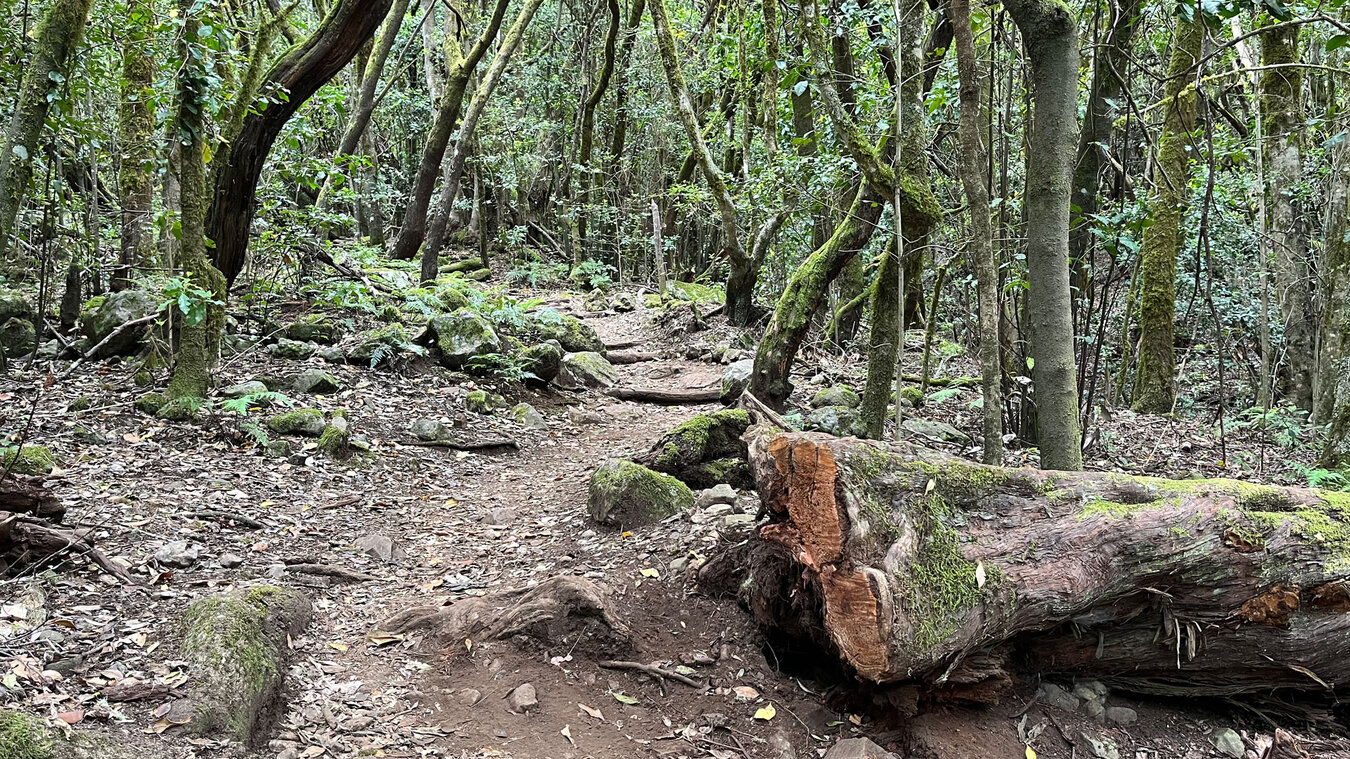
377 546
523 698
1229 743
1121 715
230 560
178 554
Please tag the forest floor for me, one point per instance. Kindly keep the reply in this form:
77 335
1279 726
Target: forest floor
462 524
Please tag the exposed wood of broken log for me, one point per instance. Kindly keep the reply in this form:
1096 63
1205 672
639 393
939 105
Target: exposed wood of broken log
227 516
908 562
93 352
665 397
943 381
621 344
648 669
632 357
333 573
29 495
36 542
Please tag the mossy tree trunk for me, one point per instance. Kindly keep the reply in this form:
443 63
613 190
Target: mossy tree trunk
1155 382
299 73
974 167
1282 113
875 553
464 142
587 139
1334 398
53 41
198 340
135 136
1050 41
414 228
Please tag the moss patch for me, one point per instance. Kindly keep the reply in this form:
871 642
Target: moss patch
627 495
23 737
303 421
30 459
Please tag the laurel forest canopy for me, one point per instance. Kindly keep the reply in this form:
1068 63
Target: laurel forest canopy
1106 206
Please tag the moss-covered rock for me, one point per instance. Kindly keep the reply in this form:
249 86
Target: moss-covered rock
461 335
301 421
378 346
572 334
292 350
840 421
17 336
479 275
626 495
314 328
839 395
587 369
28 459
100 320
149 403
251 387
935 430
704 438
13 305
82 403
731 470
483 402
317 382
335 439
527 416
451 298
912 396
24 737
184 409
236 644
544 361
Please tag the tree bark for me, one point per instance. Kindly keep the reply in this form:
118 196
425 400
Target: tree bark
912 565
1050 40
299 74
1282 113
1155 390
587 139
135 137
463 143
974 168
54 40
1334 402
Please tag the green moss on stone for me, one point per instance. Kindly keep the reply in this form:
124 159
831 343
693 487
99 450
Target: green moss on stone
23 736
28 459
626 495
303 421
150 403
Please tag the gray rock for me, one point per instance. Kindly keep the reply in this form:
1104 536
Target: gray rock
1229 743
934 430
1059 698
461 335
301 421
747 503
1121 715
377 546
586 369
429 430
1102 747
230 560
858 748
317 382
314 329
1095 709
736 379
17 336
292 350
522 699
525 415
722 493
781 746
500 517
469 696
179 553
115 310
581 417
13 305
332 354
252 387
839 395
572 334
626 495
1085 692
712 513
736 523
840 421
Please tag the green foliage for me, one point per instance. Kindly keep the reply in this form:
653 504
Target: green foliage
254 401
192 301
593 275
1282 425
507 367
538 274
1324 478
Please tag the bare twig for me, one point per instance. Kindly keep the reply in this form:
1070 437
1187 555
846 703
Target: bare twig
648 669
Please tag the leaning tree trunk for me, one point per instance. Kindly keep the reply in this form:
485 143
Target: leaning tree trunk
587 139
299 74
1050 39
54 41
1156 379
914 565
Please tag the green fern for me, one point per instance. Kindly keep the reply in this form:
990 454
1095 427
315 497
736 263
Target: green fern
244 403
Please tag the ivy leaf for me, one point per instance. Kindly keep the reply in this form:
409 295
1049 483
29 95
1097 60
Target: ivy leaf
1336 42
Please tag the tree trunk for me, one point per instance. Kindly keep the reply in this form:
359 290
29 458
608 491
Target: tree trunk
913 565
413 230
199 335
135 137
299 74
54 40
1334 403
1155 386
587 139
1282 113
450 191
1050 40
974 168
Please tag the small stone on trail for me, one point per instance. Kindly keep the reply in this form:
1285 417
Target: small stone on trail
177 554
858 748
1229 743
1103 747
781 746
525 415
252 387
715 719
317 382
469 697
722 493
736 378
231 560
522 699
500 517
1059 698
1121 715
377 546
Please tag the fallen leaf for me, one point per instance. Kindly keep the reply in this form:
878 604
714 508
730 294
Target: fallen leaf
339 646
592 711
567 733
382 638
71 718
651 573
766 712
624 698
745 692
979 574
1031 754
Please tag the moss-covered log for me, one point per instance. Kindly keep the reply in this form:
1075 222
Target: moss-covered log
913 565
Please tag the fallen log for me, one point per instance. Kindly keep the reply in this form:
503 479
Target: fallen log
916 566
29 495
666 397
29 541
631 357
